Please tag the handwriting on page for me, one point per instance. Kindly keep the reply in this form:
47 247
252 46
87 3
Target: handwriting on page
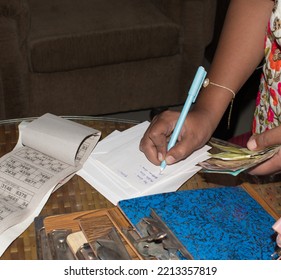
24 169
146 176
143 175
25 173
12 197
41 160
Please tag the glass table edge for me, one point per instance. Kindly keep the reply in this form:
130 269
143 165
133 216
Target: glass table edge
78 118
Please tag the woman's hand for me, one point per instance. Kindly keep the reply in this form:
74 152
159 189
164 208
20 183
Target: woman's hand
194 134
261 141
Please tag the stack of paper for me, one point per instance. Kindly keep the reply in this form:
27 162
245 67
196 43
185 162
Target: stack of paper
49 151
119 170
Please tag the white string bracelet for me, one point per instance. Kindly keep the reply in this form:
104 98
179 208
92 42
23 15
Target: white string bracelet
208 82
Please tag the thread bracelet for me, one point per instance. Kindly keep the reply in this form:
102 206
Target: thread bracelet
208 82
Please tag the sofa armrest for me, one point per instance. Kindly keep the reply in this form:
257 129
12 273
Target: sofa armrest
179 10
18 11
170 8
199 14
14 22
198 21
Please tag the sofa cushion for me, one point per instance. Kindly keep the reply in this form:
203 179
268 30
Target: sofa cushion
71 34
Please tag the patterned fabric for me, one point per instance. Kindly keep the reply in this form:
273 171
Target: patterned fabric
268 104
221 223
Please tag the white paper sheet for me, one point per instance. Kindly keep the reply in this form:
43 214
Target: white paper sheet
40 162
119 170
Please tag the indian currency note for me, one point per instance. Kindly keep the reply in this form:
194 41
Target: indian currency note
229 158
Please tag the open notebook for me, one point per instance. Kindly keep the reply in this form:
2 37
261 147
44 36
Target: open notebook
119 170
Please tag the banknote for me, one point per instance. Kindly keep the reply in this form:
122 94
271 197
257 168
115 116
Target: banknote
229 158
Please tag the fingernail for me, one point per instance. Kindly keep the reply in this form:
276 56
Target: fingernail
160 157
170 160
277 226
252 144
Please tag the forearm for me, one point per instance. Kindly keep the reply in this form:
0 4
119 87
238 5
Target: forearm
240 50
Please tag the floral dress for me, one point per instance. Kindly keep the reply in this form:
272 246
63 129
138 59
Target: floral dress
268 104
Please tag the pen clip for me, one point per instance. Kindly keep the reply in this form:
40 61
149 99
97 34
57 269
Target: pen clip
199 80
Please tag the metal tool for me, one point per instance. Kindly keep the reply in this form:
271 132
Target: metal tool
85 252
151 250
45 252
58 245
277 254
163 248
148 247
111 247
171 247
106 250
159 236
171 242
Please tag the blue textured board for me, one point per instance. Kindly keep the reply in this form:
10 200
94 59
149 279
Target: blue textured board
222 223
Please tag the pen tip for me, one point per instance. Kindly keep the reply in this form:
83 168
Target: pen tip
162 166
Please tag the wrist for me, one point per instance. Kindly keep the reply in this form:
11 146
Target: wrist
207 122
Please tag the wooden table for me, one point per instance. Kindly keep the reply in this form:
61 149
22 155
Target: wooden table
78 195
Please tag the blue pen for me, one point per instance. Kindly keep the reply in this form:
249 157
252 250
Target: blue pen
191 97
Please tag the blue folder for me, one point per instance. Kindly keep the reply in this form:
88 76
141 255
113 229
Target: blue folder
222 223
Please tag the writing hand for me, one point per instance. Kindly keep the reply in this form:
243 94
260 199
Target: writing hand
194 134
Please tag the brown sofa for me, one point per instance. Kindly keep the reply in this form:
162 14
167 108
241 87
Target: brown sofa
93 57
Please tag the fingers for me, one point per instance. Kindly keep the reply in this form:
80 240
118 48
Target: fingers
154 142
268 167
154 146
179 152
183 148
260 141
268 138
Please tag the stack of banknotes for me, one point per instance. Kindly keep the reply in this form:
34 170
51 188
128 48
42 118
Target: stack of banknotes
229 158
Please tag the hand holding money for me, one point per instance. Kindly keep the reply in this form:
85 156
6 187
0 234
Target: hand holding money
228 158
